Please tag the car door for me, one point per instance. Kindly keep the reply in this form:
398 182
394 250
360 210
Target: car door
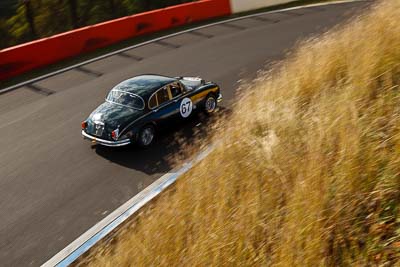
182 104
162 106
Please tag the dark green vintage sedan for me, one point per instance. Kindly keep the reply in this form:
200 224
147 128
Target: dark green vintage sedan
136 108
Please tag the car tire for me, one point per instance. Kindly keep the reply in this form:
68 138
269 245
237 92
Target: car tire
210 104
146 136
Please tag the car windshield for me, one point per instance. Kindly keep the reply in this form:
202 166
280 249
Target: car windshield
191 82
126 99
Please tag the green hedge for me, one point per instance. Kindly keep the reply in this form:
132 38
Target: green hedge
25 20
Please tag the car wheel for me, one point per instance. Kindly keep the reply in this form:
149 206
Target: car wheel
211 104
146 136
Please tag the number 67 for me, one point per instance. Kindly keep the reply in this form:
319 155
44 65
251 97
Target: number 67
185 107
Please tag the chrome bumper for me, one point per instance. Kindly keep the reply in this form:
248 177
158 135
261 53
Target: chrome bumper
219 99
103 142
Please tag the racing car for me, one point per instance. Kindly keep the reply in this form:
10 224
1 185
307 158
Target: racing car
135 109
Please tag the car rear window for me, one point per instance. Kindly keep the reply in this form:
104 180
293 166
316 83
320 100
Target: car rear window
126 99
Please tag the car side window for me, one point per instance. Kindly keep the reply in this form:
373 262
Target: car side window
175 89
153 101
162 96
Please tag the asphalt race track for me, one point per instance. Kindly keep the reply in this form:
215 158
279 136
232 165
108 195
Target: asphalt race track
54 186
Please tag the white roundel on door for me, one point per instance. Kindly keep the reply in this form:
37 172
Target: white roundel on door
186 107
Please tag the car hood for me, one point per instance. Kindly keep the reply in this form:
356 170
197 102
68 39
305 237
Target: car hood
114 115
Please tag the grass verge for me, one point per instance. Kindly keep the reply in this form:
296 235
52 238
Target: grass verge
307 170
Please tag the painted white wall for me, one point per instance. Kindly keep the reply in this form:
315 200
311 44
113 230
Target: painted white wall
246 5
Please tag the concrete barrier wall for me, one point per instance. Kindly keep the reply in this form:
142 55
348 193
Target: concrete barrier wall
19 59
246 5
25 57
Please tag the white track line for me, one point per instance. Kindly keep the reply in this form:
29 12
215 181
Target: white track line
16 86
108 224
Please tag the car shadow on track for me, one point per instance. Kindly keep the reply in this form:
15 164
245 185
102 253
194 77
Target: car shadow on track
171 144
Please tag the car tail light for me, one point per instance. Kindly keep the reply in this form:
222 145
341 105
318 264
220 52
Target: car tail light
84 125
114 134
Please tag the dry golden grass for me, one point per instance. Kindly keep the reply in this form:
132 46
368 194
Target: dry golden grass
307 170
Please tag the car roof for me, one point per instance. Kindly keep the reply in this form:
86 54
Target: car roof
144 85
